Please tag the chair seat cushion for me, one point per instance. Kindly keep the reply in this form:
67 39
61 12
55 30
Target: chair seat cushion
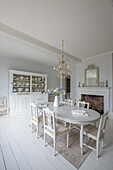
2 108
90 131
40 119
59 130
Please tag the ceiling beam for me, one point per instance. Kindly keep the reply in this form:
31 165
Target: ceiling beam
30 39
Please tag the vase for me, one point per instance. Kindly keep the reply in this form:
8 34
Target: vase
56 102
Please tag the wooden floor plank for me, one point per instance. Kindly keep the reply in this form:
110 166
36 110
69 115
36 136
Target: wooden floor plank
21 161
7 153
2 164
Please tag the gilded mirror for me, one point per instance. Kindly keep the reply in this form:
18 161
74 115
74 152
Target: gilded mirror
92 76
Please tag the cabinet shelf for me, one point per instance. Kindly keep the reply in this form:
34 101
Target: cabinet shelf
21 92
38 87
21 80
38 82
21 86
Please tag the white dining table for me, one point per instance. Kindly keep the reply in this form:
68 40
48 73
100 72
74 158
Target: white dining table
64 112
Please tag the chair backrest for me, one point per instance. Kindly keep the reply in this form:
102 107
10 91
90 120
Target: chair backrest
102 123
83 104
69 102
35 111
74 98
49 119
3 101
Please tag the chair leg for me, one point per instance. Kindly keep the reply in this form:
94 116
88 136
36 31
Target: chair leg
103 140
7 110
81 139
67 140
65 124
42 125
54 147
97 148
70 126
37 131
31 127
44 139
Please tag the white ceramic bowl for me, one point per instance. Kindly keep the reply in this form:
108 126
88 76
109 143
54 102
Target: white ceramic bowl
20 89
26 89
14 90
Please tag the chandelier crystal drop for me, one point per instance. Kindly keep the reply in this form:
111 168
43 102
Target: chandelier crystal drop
63 70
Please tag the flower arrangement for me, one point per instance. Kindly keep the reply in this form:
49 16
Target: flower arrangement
56 92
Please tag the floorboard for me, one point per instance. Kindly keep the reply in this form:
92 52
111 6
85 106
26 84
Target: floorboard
2 163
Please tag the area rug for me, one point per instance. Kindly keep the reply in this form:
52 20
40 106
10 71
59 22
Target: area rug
71 154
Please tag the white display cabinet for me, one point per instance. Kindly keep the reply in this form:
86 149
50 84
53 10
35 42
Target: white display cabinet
24 88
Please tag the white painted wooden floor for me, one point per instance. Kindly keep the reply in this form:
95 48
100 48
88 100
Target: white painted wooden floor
19 149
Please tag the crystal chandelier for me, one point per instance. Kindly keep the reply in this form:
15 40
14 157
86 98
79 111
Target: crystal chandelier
63 70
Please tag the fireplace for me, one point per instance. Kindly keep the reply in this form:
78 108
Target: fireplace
96 102
101 92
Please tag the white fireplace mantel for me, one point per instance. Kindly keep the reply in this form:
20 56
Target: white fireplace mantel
99 91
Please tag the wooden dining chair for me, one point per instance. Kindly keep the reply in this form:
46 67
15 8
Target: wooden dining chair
3 104
96 133
36 117
69 102
80 104
52 128
83 104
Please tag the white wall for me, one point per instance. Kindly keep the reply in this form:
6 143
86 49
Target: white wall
7 63
73 80
104 63
112 82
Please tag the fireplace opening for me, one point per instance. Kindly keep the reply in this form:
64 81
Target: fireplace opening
96 102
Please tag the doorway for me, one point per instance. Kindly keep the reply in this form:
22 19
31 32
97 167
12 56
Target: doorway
67 87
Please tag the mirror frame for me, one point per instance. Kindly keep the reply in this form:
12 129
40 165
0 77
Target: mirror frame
92 67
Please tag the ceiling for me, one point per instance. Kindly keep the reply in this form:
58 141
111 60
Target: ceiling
85 25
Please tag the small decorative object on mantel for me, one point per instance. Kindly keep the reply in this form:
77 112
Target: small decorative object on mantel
79 84
106 83
56 92
102 84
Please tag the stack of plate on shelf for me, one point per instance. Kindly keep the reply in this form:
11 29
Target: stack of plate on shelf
21 78
27 78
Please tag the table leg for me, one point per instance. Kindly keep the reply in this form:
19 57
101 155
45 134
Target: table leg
81 139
